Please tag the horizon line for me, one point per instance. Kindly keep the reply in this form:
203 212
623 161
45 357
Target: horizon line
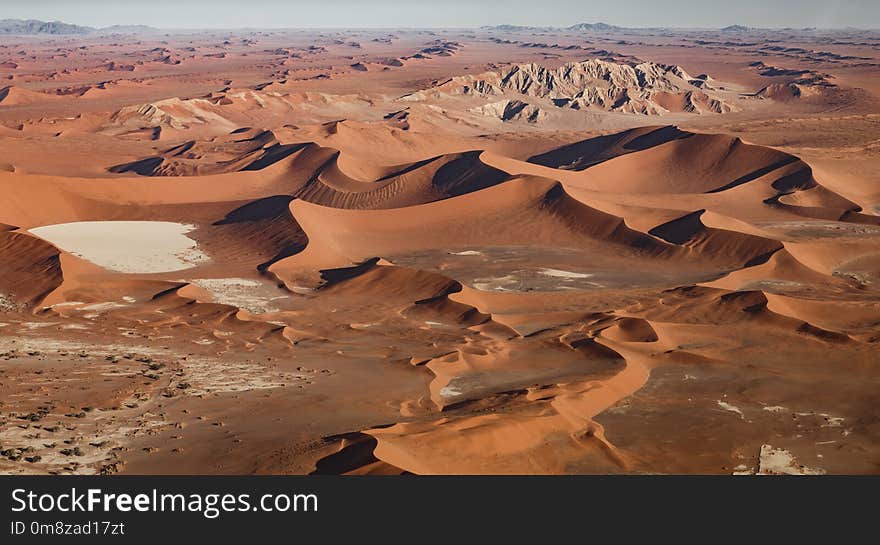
481 27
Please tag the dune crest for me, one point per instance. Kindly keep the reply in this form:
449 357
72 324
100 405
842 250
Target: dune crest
462 251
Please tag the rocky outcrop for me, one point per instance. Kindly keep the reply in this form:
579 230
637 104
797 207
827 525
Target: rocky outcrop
32 26
647 88
511 110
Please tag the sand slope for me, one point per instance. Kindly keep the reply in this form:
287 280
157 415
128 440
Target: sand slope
388 252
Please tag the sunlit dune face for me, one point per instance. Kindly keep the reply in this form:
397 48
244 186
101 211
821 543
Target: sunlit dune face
570 250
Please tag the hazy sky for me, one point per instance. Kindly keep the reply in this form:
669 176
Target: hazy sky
447 13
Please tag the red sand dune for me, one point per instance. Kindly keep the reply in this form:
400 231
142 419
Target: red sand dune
289 254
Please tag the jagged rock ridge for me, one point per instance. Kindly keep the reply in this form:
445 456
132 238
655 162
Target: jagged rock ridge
647 88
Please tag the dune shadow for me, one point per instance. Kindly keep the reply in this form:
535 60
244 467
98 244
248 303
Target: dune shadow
586 153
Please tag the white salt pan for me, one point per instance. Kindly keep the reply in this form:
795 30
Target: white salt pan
127 246
556 273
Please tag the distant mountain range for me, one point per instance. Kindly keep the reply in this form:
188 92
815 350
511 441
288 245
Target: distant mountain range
593 26
35 27
580 27
32 26
25 27
605 27
128 29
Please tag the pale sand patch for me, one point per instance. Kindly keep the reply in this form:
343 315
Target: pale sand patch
99 435
502 283
253 296
361 325
66 304
732 408
204 375
127 246
557 273
101 307
450 391
830 420
207 377
302 290
37 325
777 461
7 303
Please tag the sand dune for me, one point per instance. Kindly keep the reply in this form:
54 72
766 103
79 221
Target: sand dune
240 150
553 217
18 96
581 155
31 269
716 163
386 253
